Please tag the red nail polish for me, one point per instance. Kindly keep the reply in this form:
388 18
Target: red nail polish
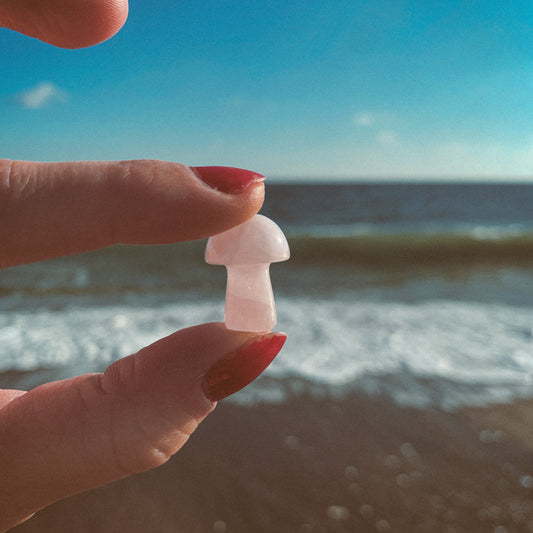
228 180
233 372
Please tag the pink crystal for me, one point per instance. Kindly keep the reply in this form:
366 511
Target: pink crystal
247 251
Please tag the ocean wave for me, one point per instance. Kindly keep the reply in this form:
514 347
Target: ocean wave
438 353
341 260
479 244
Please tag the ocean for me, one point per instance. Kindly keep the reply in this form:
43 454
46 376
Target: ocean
419 292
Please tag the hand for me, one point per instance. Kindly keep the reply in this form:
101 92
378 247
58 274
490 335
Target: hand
69 436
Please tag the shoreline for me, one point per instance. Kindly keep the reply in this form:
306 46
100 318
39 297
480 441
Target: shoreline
312 464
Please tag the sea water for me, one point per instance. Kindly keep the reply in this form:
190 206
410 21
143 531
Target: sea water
422 292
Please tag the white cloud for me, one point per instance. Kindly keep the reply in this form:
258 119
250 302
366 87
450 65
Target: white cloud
365 118
377 125
42 95
387 138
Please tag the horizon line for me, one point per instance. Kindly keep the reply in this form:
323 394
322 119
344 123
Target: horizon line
391 179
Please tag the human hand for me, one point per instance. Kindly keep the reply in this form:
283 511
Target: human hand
69 436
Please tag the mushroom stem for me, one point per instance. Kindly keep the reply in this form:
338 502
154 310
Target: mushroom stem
249 298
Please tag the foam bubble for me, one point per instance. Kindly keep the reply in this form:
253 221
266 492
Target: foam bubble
444 353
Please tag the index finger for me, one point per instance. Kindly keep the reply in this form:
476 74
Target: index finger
67 24
55 209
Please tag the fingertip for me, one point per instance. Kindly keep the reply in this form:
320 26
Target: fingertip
229 180
109 17
177 204
66 24
242 366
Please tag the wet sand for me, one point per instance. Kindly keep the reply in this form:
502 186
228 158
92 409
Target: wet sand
359 464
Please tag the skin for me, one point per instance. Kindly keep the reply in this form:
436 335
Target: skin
65 23
69 436
54 209
66 437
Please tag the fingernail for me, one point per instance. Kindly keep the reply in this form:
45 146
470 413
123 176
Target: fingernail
233 372
228 180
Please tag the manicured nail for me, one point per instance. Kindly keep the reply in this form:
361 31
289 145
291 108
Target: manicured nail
228 180
233 372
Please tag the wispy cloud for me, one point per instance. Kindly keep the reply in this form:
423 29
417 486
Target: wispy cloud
387 138
377 124
365 118
42 95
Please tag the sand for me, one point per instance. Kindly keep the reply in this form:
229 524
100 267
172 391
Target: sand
360 464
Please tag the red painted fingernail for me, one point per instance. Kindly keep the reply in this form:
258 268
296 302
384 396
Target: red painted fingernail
233 372
228 180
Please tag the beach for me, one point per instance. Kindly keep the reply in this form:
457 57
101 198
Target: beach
402 400
362 464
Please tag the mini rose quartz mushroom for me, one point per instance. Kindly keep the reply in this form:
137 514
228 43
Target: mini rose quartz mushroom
247 251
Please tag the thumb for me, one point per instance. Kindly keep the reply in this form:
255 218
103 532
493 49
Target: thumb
56 209
65 23
69 436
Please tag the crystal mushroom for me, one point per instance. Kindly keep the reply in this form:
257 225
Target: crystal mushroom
247 251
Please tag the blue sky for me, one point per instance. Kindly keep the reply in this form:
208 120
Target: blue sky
307 88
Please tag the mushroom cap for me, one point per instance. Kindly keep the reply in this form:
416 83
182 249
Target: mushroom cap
258 240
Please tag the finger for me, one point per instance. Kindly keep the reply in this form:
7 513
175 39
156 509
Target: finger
56 209
65 23
66 437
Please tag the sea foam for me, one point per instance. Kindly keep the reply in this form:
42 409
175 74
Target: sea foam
428 353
